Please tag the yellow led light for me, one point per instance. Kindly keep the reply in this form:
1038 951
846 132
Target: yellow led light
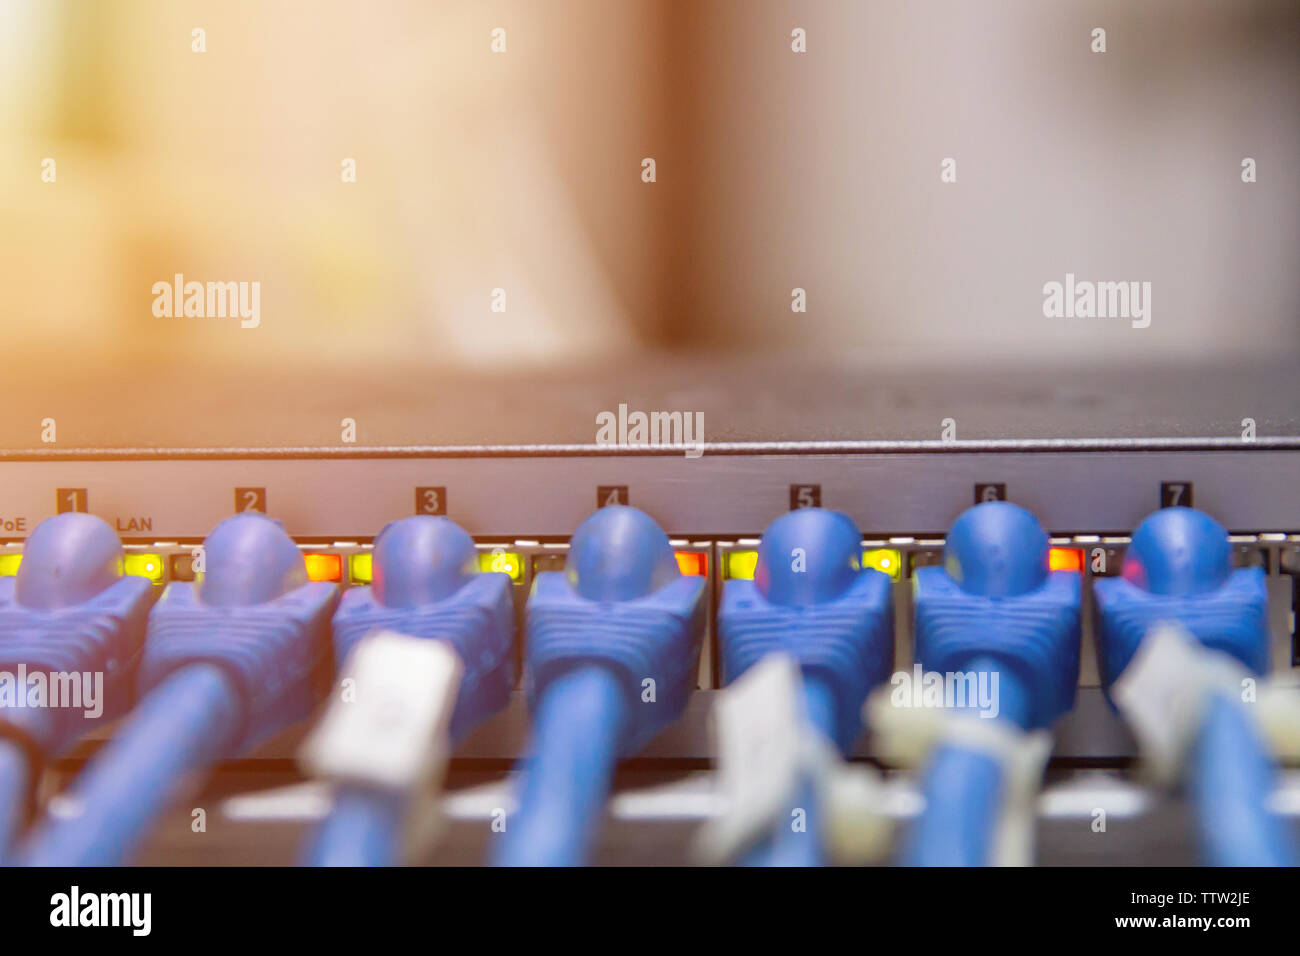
361 567
741 564
9 564
502 562
146 565
886 560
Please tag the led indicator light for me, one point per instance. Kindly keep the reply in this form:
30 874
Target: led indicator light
885 560
181 567
324 567
741 564
548 562
146 565
9 564
1065 559
361 567
692 563
502 562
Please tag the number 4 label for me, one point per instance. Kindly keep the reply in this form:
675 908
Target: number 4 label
611 495
1174 494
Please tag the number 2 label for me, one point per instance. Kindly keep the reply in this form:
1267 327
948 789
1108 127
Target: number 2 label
250 499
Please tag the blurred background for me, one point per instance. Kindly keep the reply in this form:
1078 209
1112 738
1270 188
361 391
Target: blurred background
522 170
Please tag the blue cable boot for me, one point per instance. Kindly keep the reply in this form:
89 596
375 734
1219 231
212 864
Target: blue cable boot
996 614
427 585
1178 568
228 663
811 600
70 611
612 649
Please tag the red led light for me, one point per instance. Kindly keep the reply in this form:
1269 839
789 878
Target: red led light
692 563
324 567
1065 559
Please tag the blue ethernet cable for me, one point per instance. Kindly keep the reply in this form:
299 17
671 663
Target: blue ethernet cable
812 600
612 647
1178 568
227 663
992 611
426 584
15 788
69 611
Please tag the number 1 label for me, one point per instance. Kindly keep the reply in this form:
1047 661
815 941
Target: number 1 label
70 499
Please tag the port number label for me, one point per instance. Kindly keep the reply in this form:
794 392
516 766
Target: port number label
1175 493
431 501
805 496
250 499
990 491
70 499
611 495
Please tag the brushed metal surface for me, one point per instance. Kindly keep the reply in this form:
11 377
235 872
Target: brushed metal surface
1247 487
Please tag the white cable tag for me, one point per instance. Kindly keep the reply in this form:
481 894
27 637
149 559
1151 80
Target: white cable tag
907 736
1279 716
387 724
857 831
1023 766
758 721
765 748
1162 694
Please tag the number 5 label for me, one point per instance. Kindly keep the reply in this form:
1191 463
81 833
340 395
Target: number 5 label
805 496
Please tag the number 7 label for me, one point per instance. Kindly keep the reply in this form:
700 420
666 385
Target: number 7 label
1175 494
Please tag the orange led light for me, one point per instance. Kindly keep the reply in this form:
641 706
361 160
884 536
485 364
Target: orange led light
324 567
692 563
1065 559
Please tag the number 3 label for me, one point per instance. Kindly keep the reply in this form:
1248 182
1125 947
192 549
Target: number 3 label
431 501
